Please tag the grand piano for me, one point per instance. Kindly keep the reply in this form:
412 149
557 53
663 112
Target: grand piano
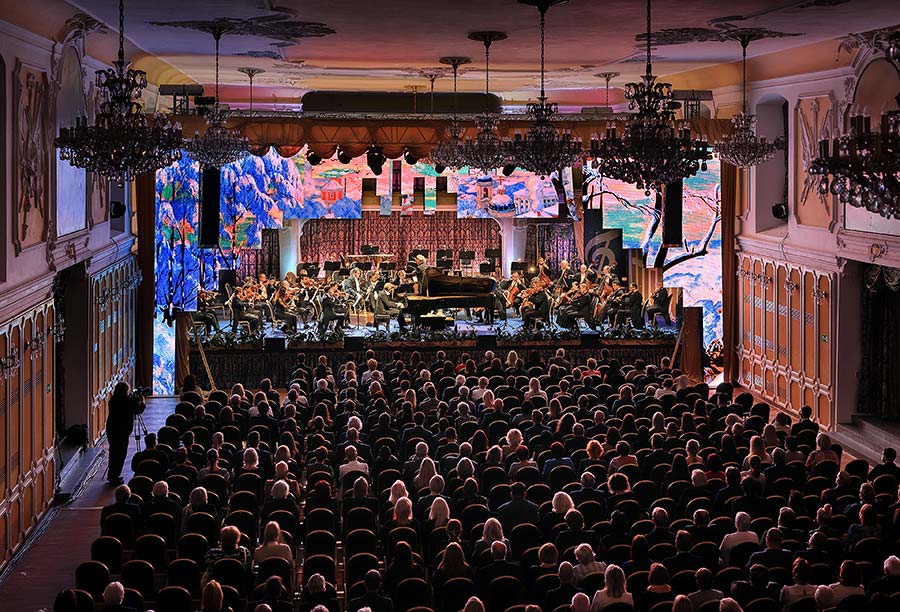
438 290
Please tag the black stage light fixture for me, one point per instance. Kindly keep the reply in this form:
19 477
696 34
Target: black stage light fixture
375 159
313 158
780 210
410 159
344 157
509 169
116 209
439 168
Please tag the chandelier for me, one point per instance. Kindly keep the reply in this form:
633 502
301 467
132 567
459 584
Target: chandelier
487 151
219 145
864 166
741 147
449 152
543 149
652 151
123 142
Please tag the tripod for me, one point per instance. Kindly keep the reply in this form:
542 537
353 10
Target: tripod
140 430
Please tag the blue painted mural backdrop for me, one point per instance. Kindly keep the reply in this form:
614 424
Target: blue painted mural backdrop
696 266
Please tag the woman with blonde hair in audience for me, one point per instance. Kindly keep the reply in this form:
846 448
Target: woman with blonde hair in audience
757 449
534 390
212 599
823 452
559 505
438 514
272 545
587 563
614 591
427 471
197 502
402 516
487 400
490 533
682 603
513 363
514 439
479 391
398 490
452 565
658 423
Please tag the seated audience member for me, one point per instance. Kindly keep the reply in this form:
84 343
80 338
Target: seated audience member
587 563
318 594
280 499
274 596
402 566
801 589
614 591
658 588
849 582
272 545
113 596
229 548
160 502
580 603
124 505
741 535
562 594
372 599
706 590
825 599
212 599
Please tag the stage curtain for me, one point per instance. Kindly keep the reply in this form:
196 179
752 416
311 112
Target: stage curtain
324 240
145 215
730 180
266 259
880 368
556 240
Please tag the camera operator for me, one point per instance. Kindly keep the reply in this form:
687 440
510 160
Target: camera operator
123 406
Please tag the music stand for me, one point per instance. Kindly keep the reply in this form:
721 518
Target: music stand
487 268
444 264
365 266
519 266
444 254
389 266
492 254
466 255
332 266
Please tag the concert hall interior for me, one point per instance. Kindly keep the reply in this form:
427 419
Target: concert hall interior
404 306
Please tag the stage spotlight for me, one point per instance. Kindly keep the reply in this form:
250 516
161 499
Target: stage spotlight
313 158
375 159
344 157
116 209
509 169
410 159
439 168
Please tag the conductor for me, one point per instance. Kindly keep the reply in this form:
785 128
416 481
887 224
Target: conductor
123 406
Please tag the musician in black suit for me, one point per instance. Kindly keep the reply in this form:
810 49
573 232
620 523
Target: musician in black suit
354 286
632 306
566 276
505 286
385 304
613 302
659 304
421 266
244 312
403 283
578 307
332 310
543 268
204 313
585 275
536 306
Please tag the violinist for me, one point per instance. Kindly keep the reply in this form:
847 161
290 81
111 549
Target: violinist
577 307
613 302
632 306
204 312
283 303
333 309
659 305
535 303
543 270
566 277
243 310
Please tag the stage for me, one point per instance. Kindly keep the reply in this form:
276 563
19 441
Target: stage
275 355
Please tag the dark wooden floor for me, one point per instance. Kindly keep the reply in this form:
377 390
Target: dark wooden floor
48 566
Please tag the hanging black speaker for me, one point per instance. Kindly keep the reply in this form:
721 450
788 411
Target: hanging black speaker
673 208
210 189
226 277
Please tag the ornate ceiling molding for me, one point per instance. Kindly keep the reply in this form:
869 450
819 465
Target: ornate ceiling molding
723 32
80 25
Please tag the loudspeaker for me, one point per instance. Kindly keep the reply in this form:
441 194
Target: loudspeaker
354 343
226 277
780 210
210 189
275 345
672 215
485 341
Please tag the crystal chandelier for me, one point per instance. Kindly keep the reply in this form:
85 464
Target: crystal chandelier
864 166
487 151
123 142
449 152
741 147
219 145
543 149
652 151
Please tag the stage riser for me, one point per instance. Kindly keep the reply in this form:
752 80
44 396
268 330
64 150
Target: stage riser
249 366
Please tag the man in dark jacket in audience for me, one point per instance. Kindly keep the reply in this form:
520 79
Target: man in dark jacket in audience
372 598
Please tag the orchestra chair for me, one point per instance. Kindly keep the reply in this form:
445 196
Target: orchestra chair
379 317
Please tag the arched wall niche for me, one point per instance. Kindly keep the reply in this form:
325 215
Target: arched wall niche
771 177
71 182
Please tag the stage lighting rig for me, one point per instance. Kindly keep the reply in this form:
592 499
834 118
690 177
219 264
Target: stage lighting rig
375 159
313 158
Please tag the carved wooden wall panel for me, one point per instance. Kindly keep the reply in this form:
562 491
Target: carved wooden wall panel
786 350
31 159
26 424
112 361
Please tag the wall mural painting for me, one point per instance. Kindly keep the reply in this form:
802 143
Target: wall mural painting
32 156
695 266
523 194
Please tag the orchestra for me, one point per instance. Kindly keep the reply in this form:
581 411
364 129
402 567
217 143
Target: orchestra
568 296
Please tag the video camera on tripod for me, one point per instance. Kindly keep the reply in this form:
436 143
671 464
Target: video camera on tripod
140 430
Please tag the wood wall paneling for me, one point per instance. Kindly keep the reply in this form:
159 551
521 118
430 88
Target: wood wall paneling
786 353
26 424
